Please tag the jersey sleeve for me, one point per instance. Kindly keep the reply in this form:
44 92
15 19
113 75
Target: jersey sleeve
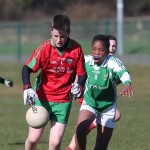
2 80
119 70
37 58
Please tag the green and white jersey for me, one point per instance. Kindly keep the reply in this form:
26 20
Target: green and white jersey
100 87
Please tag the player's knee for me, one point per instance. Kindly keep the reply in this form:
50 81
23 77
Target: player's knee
54 144
32 141
118 116
81 130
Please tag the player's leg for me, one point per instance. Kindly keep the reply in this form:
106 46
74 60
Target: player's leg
118 115
59 119
72 145
85 118
34 135
105 125
92 126
56 134
33 138
103 137
84 121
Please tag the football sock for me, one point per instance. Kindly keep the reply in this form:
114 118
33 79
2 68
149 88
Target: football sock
68 148
92 126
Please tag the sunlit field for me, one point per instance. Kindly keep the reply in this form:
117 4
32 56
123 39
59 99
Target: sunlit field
132 132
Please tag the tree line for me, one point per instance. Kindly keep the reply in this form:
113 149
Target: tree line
77 9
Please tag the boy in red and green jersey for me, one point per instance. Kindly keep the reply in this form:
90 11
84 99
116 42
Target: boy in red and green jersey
57 68
58 60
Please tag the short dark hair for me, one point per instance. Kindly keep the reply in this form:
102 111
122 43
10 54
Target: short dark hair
61 23
102 38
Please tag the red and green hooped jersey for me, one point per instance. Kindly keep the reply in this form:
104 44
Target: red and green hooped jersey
100 86
57 70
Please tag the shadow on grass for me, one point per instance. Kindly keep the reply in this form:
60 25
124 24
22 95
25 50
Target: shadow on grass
22 143
16 143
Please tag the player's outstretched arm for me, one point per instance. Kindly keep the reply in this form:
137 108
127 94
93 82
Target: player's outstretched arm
29 95
127 91
7 82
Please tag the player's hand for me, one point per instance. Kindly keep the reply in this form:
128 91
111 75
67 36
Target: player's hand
127 91
75 90
8 83
29 96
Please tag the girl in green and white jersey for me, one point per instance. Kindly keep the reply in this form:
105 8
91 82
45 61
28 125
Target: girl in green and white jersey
100 93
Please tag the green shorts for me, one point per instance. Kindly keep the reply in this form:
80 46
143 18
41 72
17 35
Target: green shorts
58 112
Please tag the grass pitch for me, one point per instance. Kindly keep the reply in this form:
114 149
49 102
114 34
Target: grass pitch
130 133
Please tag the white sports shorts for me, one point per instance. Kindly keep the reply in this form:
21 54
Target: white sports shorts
105 118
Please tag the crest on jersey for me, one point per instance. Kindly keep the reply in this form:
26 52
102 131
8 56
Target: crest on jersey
105 76
69 61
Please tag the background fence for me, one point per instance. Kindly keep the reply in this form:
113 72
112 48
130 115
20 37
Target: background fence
18 39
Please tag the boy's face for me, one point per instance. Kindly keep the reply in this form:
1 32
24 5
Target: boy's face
59 39
99 51
112 47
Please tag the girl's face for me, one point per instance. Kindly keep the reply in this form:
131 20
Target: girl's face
99 51
112 47
59 39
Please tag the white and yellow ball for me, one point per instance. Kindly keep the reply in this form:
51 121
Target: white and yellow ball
37 116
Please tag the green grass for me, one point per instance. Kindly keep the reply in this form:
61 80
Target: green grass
130 133
137 44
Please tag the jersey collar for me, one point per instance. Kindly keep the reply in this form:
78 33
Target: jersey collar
64 48
104 63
